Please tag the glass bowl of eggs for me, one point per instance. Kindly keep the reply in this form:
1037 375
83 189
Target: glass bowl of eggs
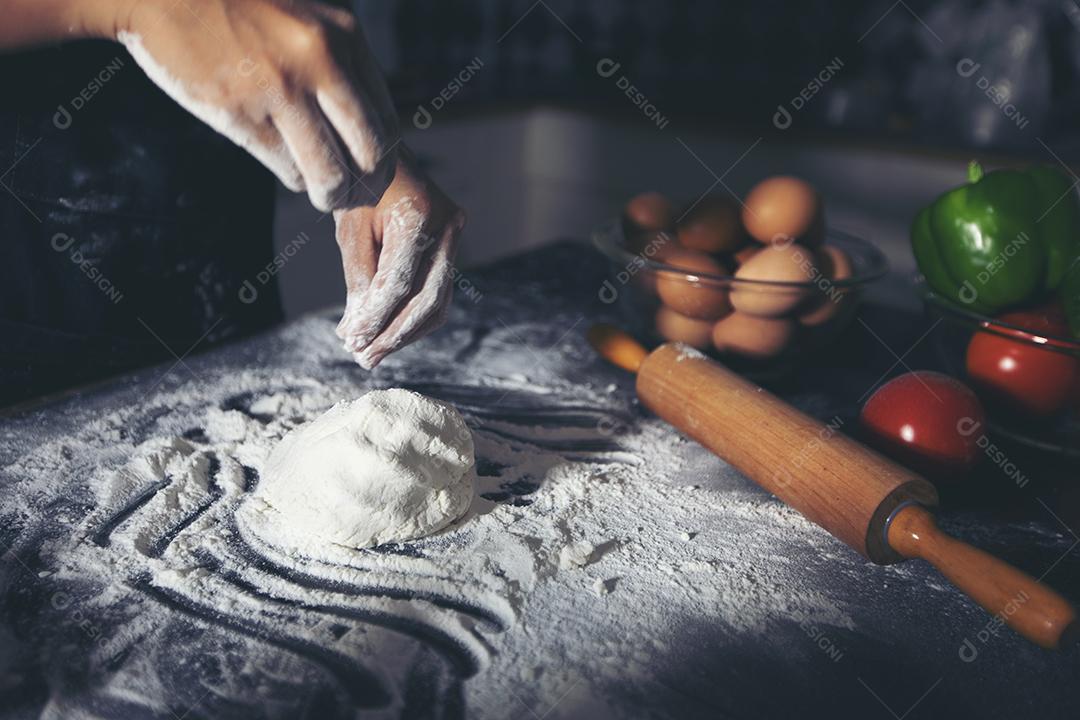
756 283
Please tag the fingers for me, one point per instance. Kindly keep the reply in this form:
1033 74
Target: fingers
358 246
423 312
399 260
341 18
265 143
252 131
360 69
364 67
370 359
316 152
261 139
348 107
351 113
359 258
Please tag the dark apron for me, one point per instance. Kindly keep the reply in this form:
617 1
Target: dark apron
122 218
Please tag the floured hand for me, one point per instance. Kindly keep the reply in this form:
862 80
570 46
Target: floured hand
294 83
398 260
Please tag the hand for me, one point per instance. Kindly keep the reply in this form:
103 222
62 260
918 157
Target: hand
398 260
293 83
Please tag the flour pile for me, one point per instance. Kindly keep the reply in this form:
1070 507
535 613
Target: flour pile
388 467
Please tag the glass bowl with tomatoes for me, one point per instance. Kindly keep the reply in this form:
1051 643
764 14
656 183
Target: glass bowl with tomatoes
1024 365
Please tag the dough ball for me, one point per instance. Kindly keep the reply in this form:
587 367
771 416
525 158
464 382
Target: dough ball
391 466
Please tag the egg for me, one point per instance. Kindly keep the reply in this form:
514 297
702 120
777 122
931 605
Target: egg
752 336
702 299
712 225
783 208
652 244
672 326
834 265
774 263
649 211
745 254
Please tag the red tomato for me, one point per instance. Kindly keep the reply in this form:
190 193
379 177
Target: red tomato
1022 370
927 421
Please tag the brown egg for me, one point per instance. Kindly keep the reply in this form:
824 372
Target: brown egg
672 326
745 254
834 262
685 293
652 244
835 265
780 209
649 211
774 263
712 225
655 246
752 336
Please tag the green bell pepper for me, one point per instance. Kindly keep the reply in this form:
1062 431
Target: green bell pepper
1006 238
1070 296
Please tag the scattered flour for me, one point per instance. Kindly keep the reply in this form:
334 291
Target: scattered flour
570 567
688 353
576 554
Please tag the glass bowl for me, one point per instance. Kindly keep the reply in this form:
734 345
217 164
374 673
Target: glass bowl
1058 432
660 302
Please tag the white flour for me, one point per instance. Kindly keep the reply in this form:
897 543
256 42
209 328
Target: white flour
573 575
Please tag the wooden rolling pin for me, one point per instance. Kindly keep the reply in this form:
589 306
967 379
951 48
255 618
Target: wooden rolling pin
872 504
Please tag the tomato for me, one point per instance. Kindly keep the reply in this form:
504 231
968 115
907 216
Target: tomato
1022 370
927 421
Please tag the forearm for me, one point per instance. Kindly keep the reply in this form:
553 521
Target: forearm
40 22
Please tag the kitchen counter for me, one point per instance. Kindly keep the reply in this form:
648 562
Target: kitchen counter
760 615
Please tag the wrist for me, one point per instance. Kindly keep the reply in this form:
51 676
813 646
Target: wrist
104 20
29 23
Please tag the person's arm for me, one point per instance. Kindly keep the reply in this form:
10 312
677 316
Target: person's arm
292 82
39 22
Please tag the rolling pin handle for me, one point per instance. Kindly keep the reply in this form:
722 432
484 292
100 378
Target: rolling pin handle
617 346
1022 602
896 511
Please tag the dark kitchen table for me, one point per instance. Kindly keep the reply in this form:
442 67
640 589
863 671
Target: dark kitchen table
912 653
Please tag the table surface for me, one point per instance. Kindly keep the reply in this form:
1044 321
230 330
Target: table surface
910 646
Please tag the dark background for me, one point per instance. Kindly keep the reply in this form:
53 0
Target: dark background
730 62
